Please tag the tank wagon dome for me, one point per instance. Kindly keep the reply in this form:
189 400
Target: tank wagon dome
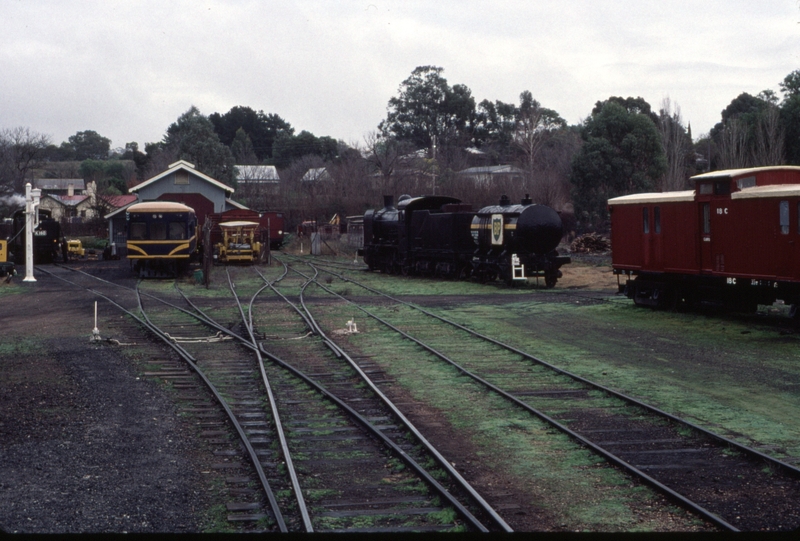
537 228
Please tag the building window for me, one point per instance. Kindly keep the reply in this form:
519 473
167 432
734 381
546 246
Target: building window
657 219
645 221
181 177
784 217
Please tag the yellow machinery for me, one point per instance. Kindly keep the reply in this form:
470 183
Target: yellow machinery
6 266
75 248
239 244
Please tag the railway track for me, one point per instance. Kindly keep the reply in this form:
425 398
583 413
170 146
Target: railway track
350 464
728 484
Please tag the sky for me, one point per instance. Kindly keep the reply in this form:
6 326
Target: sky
127 70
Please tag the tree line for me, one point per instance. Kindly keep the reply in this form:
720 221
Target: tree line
431 131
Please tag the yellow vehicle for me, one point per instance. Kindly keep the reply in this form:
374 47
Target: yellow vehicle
6 266
75 248
239 244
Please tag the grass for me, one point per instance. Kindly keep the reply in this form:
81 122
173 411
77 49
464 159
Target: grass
510 440
20 346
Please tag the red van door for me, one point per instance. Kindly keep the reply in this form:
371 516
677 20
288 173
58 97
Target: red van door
706 253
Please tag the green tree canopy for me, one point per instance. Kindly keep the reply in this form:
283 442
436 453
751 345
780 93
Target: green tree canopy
427 108
621 154
262 129
192 138
89 145
288 148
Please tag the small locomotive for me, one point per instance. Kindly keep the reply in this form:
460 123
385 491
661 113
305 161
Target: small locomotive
441 236
239 243
48 241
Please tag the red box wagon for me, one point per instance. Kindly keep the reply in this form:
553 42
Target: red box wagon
733 240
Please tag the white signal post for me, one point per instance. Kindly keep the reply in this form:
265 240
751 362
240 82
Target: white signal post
32 198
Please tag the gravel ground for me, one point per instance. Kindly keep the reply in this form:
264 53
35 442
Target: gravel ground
85 444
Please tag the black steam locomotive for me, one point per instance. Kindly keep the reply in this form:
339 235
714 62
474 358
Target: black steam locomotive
441 236
48 241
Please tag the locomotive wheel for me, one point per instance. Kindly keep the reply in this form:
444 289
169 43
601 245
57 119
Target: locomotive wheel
550 281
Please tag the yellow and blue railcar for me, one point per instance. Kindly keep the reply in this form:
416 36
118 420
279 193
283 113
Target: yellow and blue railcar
162 237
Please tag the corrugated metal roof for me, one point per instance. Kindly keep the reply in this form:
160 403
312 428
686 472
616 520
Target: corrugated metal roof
59 183
256 172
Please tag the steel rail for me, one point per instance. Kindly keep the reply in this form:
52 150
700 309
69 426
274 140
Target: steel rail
441 460
630 399
406 458
287 455
146 323
571 433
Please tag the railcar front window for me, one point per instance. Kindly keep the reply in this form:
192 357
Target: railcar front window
137 231
158 231
784 217
177 231
657 219
645 221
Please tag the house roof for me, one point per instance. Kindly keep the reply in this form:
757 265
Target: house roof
315 173
59 183
68 200
118 201
256 172
119 210
491 170
182 164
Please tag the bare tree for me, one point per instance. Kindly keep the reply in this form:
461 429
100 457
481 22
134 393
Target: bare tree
673 139
21 150
733 145
769 139
533 125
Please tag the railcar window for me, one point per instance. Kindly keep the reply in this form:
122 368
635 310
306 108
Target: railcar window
706 219
706 188
798 217
645 220
177 231
784 217
137 231
722 187
158 231
747 182
657 219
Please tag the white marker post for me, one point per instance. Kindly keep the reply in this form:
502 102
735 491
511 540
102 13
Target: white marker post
31 221
95 331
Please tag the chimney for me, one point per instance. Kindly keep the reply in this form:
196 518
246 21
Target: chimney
388 201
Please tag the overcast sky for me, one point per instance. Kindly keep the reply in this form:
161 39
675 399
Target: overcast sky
128 69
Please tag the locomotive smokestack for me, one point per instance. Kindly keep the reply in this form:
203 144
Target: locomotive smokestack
388 201
504 201
527 199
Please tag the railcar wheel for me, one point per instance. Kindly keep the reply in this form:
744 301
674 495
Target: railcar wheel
794 311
